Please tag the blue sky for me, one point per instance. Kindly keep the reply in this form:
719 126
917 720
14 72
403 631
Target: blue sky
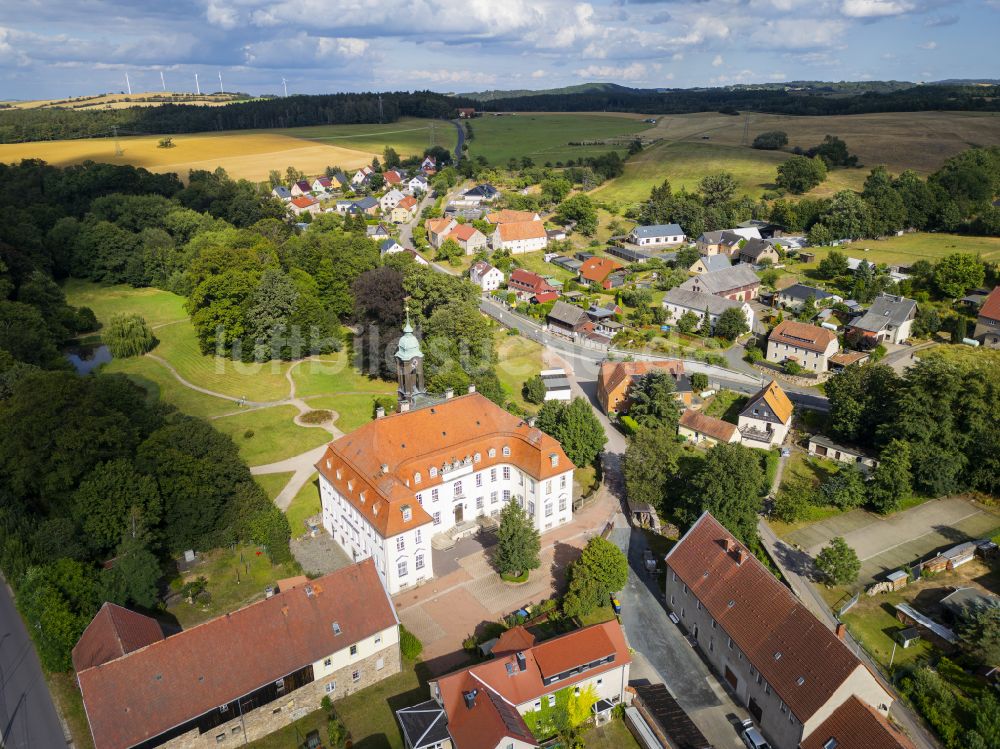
56 48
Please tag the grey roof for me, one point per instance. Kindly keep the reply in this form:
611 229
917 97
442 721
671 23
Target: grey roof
803 292
567 314
724 280
366 202
282 192
699 302
423 725
387 244
487 191
372 231
711 237
599 313
754 248
829 444
964 600
714 263
886 309
927 623
658 230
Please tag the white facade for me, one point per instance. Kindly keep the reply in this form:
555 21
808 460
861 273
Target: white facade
461 495
390 200
354 653
518 246
489 280
810 361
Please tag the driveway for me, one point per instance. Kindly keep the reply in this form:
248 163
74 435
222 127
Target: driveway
884 544
666 652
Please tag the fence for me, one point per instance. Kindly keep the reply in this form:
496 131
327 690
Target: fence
845 604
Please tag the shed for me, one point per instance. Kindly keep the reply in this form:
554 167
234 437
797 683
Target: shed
909 615
908 636
898 579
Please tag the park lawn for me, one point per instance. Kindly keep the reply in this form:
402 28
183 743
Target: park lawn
546 137
518 358
910 248
370 714
335 373
811 514
275 435
157 307
304 505
235 577
612 735
159 382
353 409
257 381
273 483
408 136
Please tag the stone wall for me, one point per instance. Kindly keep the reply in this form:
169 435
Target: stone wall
278 714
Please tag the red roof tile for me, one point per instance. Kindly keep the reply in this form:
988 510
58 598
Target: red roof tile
597 269
162 685
113 632
803 661
991 307
717 429
514 639
304 201
855 725
802 335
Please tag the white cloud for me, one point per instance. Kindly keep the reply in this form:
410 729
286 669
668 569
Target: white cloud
875 8
635 71
444 75
677 56
801 33
717 61
221 16
538 73
928 45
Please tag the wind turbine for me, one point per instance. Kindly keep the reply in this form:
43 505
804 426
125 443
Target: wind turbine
285 84
221 89
197 85
128 84
163 82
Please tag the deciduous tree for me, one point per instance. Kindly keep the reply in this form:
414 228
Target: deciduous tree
838 562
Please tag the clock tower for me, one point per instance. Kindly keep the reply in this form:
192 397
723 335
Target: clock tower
409 366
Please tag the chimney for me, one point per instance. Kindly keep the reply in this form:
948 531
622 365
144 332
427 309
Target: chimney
739 556
379 412
729 545
470 698
404 406
521 662
472 388
531 421
449 393
384 468
840 631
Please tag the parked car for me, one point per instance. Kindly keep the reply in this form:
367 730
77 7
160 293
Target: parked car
752 737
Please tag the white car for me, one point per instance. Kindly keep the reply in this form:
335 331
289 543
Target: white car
752 737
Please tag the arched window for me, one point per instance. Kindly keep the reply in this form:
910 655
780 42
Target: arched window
506 451
433 471
417 478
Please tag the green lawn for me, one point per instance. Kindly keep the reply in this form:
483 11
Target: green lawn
535 262
66 695
408 136
304 505
613 735
235 578
335 373
370 714
293 736
598 616
909 248
275 436
273 483
518 358
726 405
156 306
546 137
964 355
354 410
686 162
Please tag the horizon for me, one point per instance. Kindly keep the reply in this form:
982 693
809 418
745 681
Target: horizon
64 50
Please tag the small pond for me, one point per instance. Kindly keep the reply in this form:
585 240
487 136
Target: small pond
85 359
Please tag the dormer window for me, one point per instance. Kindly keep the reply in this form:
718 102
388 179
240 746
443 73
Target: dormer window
554 459
417 478
350 485
433 471
407 514
362 497
493 452
338 474
476 458
506 451
329 464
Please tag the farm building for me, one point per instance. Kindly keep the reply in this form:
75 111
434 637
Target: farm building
826 448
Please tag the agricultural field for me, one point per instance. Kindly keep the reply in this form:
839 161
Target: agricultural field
243 154
546 137
910 248
124 101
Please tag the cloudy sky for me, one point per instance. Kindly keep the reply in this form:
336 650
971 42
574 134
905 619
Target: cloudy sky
56 48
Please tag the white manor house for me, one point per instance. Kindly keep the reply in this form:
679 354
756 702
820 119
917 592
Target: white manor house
434 468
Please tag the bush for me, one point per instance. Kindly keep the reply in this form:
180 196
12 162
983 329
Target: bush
754 354
315 417
409 645
269 528
248 434
772 140
533 390
792 501
792 367
128 335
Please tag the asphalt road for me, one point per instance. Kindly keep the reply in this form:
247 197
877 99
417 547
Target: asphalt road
28 719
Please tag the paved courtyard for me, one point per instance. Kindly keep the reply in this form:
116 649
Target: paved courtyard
884 544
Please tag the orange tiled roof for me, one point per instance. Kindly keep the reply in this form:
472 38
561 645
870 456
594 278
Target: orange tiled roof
991 307
717 429
802 335
464 232
855 725
304 201
521 230
775 397
598 268
438 225
508 216
615 375
408 202
412 442
113 632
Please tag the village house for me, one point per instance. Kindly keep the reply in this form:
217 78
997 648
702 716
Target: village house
469 238
389 247
508 216
361 176
417 257
304 204
766 418
822 447
388 487
405 210
701 429
466 113
527 285
797 294
888 320
615 380
738 282
322 184
658 235
809 346
281 193
567 319
343 207
437 230
429 164
725 241
792 674
302 187
856 725
709 264
417 184
340 181
485 276
987 329
758 252
377 231
367 206
483 706
678 300
484 193
392 177
601 271
240 676
390 200
519 237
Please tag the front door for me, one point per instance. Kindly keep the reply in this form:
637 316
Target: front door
458 513
755 710
731 678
